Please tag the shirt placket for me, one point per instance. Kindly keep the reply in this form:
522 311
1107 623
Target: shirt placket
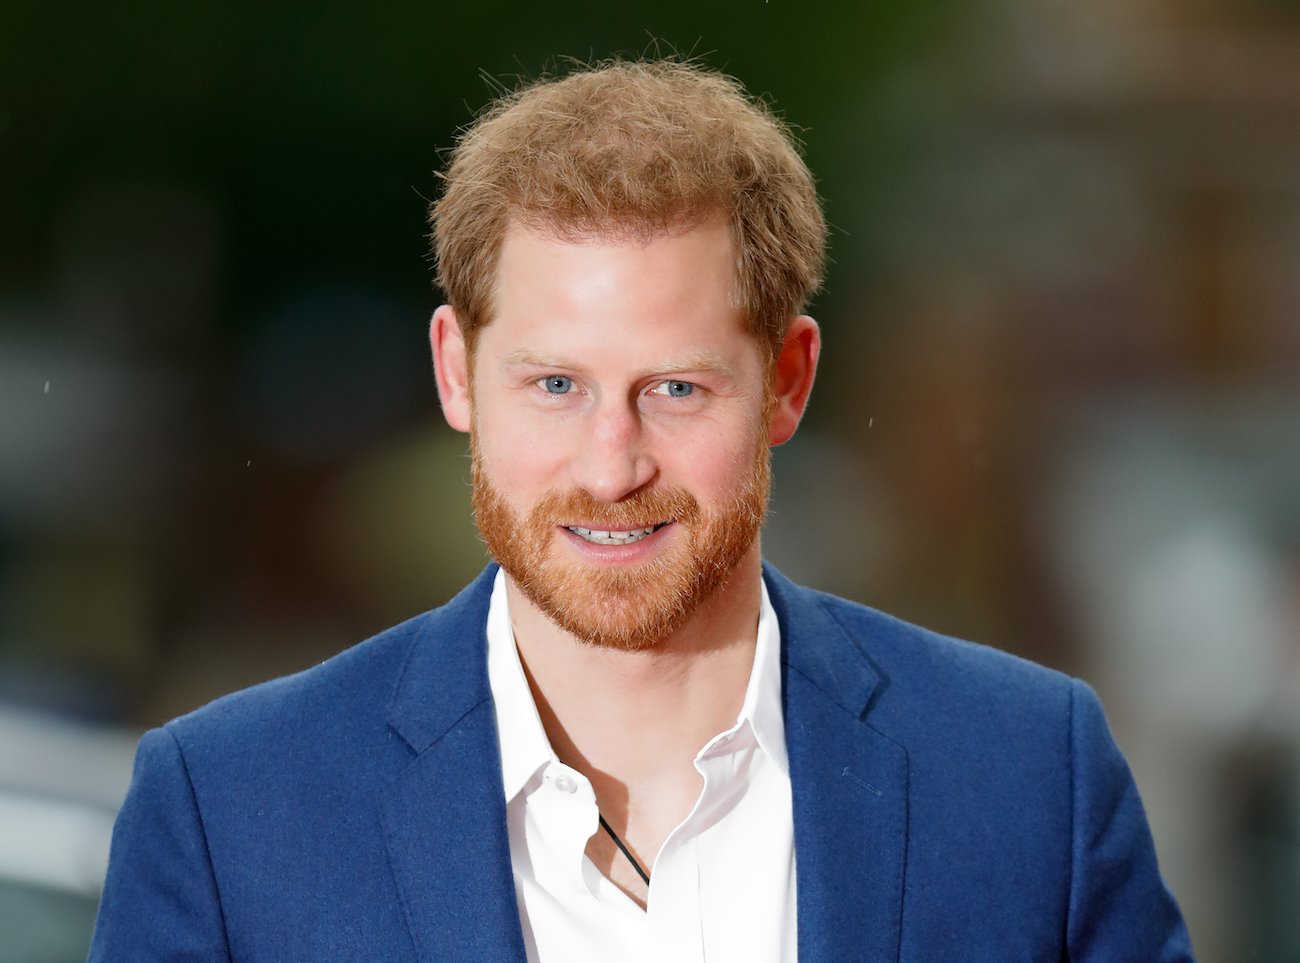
676 916
561 818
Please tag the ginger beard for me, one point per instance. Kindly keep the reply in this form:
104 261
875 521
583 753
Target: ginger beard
629 607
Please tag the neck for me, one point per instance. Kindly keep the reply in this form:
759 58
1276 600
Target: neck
633 720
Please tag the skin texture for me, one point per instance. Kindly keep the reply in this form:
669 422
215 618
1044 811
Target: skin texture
616 388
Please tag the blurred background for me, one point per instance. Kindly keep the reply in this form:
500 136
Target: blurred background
1059 406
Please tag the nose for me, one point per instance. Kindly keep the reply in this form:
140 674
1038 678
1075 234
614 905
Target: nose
613 460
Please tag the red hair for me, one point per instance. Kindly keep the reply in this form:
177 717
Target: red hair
633 149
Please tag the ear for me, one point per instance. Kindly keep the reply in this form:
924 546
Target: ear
792 378
451 367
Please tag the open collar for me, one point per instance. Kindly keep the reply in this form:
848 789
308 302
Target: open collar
525 748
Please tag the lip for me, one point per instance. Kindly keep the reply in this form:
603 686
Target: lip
638 551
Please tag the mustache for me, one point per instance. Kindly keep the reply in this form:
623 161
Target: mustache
652 506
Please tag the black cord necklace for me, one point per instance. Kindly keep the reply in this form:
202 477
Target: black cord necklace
624 850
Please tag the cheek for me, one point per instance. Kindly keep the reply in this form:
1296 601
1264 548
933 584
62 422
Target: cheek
518 462
713 465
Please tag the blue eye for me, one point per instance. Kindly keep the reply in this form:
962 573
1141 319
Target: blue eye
557 384
675 389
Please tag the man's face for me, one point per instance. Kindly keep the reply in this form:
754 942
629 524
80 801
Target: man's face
618 430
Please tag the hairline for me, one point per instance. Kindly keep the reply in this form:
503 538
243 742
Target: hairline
617 231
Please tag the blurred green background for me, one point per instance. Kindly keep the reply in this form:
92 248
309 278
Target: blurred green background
1058 412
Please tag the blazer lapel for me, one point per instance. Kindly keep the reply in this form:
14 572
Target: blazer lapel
849 786
444 815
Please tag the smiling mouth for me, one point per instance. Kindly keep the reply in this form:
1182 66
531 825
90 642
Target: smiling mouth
598 537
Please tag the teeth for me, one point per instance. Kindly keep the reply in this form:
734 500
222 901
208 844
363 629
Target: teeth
612 538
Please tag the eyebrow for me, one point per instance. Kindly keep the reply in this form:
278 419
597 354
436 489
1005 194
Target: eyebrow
698 360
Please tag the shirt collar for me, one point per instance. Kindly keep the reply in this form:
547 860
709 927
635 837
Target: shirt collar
762 705
524 747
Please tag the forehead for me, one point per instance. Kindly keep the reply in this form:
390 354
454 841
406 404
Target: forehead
685 277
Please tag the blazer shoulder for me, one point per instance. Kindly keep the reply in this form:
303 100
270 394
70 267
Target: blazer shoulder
918 679
897 640
348 678
355 687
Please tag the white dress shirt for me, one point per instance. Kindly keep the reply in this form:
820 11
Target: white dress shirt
722 888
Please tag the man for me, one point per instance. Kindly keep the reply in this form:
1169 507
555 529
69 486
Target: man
632 741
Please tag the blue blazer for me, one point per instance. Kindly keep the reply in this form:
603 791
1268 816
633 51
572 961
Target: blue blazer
951 803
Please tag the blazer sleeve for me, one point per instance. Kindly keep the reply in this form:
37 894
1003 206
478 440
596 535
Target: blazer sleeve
160 899
1120 908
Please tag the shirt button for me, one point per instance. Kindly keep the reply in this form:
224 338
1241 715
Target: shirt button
565 783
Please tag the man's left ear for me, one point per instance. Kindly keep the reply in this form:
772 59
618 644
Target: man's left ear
792 377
